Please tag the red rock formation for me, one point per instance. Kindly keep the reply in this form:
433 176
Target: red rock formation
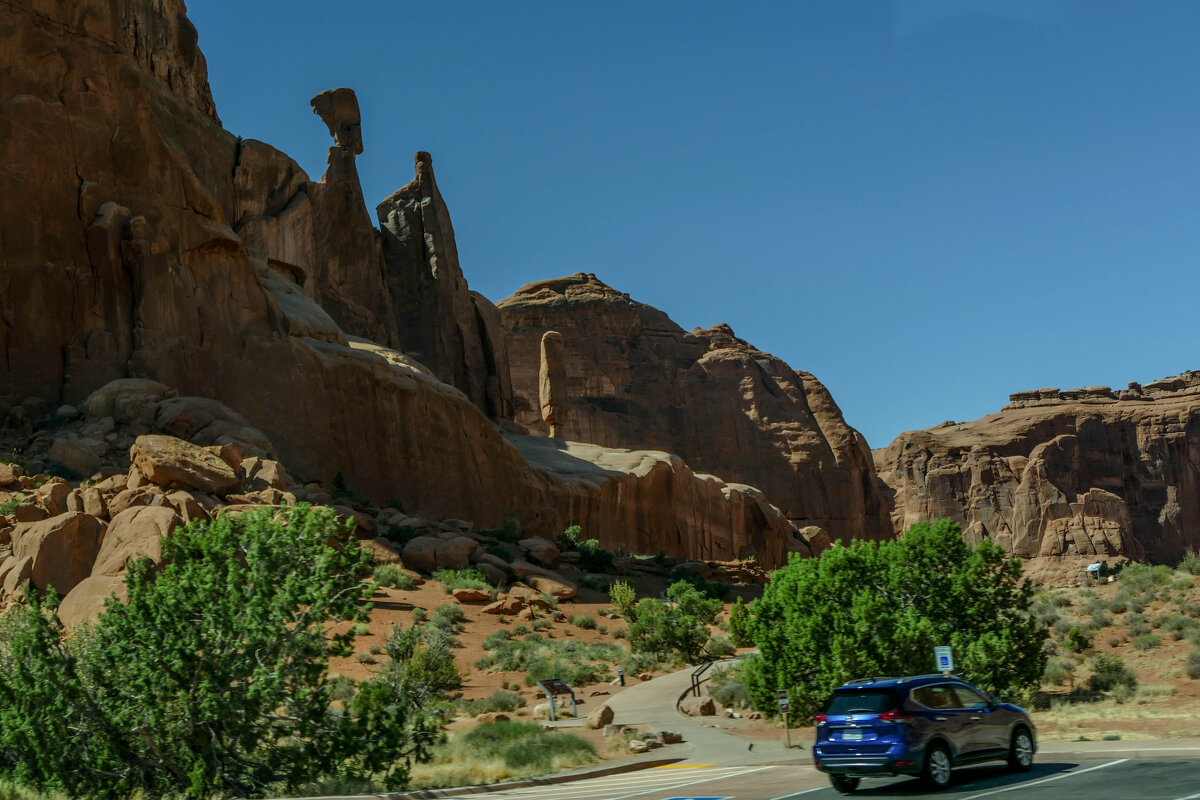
140 240
439 322
636 379
1086 472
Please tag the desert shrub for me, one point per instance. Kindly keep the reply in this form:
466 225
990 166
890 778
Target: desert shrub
731 694
1179 627
469 578
500 700
502 751
1077 640
1119 604
1058 671
1193 664
592 557
1112 641
624 597
393 576
1108 672
448 617
419 615
541 624
1142 577
1137 605
1147 641
677 628
1099 619
707 588
879 608
575 662
521 630
585 622
9 506
496 638
1094 607
718 646
1060 628
212 679
1061 600
596 584
739 624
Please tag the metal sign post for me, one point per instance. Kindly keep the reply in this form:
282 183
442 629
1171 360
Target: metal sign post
785 707
944 659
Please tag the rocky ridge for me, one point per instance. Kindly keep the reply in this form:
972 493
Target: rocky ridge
636 379
1075 475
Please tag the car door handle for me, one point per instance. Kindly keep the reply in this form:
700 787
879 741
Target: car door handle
939 719
976 719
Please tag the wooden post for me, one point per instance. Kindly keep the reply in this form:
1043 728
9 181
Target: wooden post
787 731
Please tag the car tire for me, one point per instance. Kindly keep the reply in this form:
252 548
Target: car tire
1020 752
844 783
936 773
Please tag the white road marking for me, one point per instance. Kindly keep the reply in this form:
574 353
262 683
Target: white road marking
797 794
643 780
1016 786
1195 796
708 779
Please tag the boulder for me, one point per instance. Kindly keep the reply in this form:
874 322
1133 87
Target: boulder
599 717
381 550
188 506
176 464
15 572
126 400
638 746
698 706
670 737
28 512
560 588
63 549
541 551
134 533
74 456
456 553
52 496
464 595
86 601
495 575
263 473
505 605
420 553
9 474
129 498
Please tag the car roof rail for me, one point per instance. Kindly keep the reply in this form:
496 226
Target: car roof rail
868 680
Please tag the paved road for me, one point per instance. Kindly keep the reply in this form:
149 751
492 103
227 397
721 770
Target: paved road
1116 779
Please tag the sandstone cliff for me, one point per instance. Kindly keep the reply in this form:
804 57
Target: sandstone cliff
141 240
1085 472
636 379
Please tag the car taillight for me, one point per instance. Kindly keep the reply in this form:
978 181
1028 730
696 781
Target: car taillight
895 716
818 719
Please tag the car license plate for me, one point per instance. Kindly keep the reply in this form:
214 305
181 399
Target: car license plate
851 736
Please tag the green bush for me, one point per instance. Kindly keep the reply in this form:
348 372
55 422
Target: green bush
739 624
574 662
496 639
1179 627
448 617
393 576
1142 577
469 578
1139 629
1193 665
592 557
1109 672
1099 619
624 597
420 667
713 589
212 679
879 609
500 700
1058 671
718 646
541 624
585 622
1119 604
677 628
1077 640
1147 641
9 506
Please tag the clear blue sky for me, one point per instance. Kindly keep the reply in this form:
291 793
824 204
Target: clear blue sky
928 204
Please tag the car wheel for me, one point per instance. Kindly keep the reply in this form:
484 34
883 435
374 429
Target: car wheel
937 767
1020 754
844 783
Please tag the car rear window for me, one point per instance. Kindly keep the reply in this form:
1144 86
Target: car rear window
861 701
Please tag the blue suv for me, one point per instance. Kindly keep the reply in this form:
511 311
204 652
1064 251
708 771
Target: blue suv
923 725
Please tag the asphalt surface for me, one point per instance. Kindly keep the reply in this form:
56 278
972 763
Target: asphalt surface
1115 779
